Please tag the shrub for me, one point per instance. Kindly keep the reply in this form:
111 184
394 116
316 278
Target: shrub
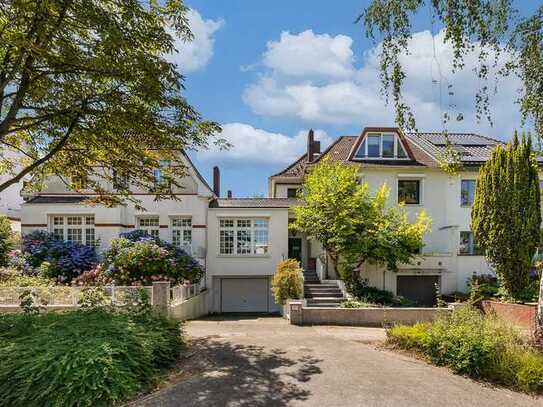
14 278
356 304
83 358
7 240
288 281
137 258
57 259
476 345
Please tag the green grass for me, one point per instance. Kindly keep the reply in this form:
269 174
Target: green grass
83 358
475 345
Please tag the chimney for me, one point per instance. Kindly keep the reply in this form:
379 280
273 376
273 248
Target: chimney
310 145
217 181
229 194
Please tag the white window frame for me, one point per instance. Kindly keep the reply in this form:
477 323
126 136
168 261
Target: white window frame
364 144
472 246
64 225
181 232
475 187
144 223
257 225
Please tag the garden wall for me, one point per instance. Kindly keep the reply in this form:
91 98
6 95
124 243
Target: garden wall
192 308
522 316
301 315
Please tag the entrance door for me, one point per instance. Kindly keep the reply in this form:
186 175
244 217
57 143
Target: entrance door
420 289
295 248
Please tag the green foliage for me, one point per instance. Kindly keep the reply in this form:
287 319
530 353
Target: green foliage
351 224
490 28
7 240
14 278
480 346
288 281
356 304
92 297
88 94
373 295
82 358
506 213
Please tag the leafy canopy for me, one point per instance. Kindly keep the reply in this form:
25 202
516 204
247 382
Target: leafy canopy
353 225
506 213
494 25
87 94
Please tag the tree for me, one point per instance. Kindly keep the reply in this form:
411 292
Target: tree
7 240
494 25
352 225
506 213
87 94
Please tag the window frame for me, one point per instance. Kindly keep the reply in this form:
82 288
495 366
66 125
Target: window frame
66 227
185 229
296 190
149 229
466 181
419 190
249 247
365 143
473 248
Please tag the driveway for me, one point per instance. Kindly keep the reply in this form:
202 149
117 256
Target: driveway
267 362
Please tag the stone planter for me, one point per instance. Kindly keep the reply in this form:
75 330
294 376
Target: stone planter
522 316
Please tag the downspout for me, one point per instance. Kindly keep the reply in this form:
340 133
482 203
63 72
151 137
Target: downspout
384 279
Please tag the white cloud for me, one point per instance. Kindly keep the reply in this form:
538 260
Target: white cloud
293 84
307 54
194 55
260 146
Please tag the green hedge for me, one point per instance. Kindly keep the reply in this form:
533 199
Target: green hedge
83 358
476 345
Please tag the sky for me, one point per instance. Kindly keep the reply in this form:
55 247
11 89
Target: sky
270 71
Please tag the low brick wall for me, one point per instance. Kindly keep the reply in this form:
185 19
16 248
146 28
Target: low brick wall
300 315
522 316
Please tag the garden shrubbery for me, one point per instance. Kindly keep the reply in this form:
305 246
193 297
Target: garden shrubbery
7 240
479 346
91 357
137 258
366 294
288 281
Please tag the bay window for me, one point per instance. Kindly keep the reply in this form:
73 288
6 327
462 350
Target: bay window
246 236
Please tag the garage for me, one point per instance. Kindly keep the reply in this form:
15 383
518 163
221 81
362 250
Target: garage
245 295
419 289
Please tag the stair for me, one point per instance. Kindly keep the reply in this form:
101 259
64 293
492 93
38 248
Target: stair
321 295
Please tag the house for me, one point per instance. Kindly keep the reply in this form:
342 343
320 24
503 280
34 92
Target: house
240 241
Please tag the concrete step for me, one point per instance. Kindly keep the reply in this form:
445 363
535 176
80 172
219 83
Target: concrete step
325 294
324 305
324 300
320 285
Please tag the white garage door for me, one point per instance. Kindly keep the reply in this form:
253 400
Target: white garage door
244 295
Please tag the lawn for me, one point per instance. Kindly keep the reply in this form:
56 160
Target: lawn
94 357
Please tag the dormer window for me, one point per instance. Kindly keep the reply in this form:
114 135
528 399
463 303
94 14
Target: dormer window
381 145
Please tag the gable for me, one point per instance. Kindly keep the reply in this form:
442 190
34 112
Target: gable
380 144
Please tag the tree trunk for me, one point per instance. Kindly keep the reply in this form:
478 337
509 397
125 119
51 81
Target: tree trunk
539 317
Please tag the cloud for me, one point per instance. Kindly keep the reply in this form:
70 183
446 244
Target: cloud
194 55
252 145
291 83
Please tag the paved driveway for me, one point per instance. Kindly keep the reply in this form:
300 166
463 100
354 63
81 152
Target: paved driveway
266 362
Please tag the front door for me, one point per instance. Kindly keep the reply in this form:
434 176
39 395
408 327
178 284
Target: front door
295 248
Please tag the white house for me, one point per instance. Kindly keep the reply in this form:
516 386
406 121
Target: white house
241 241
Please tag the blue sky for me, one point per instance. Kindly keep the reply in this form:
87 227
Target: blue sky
269 71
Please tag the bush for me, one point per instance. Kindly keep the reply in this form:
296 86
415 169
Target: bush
356 304
57 259
372 295
14 278
83 358
288 281
7 240
137 258
476 345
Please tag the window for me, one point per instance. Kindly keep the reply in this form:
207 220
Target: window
467 192
381 145
468 245
182 233
150 225
243 236
409 191
74 228
161 180
292 192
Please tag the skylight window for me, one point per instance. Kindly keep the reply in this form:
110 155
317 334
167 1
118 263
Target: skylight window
381 145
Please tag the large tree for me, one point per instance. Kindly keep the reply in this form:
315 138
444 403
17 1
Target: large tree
353 225
495 26
506 213
86 92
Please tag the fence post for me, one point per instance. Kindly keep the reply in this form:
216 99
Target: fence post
161 297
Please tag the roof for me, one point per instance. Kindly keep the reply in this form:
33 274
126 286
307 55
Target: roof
424 150
254 203
39 199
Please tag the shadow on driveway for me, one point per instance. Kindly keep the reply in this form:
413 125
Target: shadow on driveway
242 375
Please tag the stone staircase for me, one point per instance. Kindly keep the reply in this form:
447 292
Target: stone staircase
321 295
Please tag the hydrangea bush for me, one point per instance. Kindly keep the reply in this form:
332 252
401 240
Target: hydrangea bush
55 258
137 258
